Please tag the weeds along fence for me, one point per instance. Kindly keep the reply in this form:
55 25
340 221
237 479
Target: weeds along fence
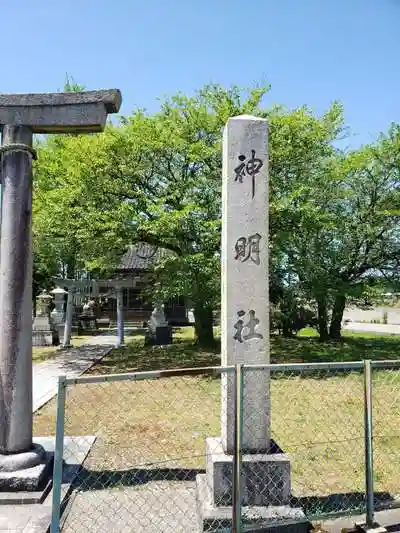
132 449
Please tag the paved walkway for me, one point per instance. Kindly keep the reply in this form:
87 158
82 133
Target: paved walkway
71 363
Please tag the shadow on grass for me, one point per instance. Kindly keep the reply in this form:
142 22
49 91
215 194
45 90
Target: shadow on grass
311 350
184 353
135 357
351 502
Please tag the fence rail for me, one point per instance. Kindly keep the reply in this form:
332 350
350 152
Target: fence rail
137 447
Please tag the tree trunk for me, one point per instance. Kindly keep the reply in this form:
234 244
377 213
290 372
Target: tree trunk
337 317
322 319
203 325
286 329
71 270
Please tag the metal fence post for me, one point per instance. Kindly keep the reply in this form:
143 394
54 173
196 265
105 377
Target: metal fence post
237 458
58 457
369 466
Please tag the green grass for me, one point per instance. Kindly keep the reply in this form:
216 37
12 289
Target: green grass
311 332
136 357
317 418
306 348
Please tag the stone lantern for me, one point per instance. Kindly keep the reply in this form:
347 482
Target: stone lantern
43 302
42 331
57 315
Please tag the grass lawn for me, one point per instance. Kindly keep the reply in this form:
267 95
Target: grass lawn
317 418
306 347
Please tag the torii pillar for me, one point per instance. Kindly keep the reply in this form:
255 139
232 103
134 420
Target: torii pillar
22 115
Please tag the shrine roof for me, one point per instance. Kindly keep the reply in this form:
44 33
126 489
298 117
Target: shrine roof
141 256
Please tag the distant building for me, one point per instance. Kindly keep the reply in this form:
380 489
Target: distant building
137 264
135 269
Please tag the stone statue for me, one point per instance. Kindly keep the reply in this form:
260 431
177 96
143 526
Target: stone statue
88 308
157 319
87 317
159 332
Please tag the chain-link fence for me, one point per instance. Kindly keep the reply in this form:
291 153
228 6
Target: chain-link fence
315 465
140 441
167 452
386 434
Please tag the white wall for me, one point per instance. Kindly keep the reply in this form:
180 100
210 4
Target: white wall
358 315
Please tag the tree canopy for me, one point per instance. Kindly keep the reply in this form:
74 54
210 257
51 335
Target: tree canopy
156 178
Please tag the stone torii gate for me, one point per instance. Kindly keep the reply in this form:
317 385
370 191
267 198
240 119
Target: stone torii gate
116 286
22 115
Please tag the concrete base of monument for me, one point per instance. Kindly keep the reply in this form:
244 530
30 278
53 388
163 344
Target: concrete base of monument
255 519
42 338
265 489
43 333
27 471
265 477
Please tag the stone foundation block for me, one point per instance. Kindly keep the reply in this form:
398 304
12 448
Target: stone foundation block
272 519
42 338
265 478
28 479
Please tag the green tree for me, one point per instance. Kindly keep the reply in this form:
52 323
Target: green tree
54 248
347 241
157 178
301 149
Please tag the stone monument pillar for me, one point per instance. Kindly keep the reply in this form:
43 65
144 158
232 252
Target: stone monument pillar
22 115
265 475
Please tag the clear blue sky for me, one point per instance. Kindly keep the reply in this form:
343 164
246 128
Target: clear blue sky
311 51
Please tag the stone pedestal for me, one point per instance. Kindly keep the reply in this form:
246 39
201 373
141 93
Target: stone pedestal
265 477
271 518
42 331
159 336
25 471
265 489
